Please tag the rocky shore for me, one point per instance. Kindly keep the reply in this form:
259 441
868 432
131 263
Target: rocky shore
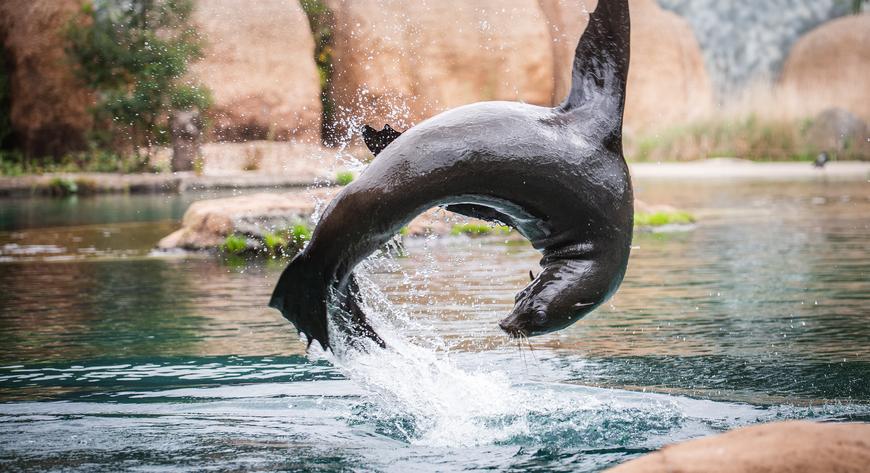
780 447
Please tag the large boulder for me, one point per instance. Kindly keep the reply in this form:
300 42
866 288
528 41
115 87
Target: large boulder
49 107
399 62
259 65
782 447
667 80
829 67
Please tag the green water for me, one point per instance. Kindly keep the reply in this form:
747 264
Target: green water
113 358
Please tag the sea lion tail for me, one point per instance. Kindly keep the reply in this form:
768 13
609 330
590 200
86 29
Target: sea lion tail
301 295
601 59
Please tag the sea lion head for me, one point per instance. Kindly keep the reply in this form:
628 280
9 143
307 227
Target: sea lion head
565 291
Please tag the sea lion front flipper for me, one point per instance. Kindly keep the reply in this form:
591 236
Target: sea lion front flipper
378 140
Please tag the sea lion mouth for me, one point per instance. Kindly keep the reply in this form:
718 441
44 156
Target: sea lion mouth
513 330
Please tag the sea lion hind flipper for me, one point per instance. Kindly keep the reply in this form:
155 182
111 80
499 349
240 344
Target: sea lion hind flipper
378 140
301 295
355 323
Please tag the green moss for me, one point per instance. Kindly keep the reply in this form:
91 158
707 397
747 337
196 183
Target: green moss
479 229
657 219
235 244
343 178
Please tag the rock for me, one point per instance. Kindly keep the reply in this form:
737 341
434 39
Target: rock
207 223
259 65
49 107
839 132
399 62
745 41
667 80
829 67
792 447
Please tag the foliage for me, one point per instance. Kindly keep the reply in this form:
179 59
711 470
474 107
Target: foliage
15 163
299 234
235 244
749 138
657 219
321 20
478 229
343 178
135 54
5 102
274 243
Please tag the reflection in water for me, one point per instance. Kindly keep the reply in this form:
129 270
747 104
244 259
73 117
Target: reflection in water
760 313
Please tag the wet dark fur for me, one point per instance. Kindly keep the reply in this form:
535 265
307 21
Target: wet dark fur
557 175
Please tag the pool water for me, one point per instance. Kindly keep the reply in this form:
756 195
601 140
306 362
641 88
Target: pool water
115 358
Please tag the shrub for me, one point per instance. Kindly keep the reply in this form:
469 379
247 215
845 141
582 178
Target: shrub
135 55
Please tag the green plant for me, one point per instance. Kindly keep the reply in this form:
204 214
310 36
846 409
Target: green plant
299 234
478 229
343 178
235 244
62 186
657 219
135 55
274 242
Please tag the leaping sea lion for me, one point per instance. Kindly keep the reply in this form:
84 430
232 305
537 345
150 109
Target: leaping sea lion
557 175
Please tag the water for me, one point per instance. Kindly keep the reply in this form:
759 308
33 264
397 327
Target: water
115 359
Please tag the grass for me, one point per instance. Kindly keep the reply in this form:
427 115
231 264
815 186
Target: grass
299 234
657 219
235 244
14 163
753 138
274 243
343 178
479 229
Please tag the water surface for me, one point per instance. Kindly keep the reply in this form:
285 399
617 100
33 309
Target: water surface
112 358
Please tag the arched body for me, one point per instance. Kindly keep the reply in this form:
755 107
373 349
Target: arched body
557 175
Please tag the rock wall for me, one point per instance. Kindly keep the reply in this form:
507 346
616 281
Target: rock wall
49 108
399 62
830 66
260 67
667 81
747 40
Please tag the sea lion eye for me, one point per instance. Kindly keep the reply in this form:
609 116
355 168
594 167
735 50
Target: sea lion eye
540 315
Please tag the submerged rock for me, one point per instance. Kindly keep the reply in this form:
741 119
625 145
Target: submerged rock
829 67
791 447
259 65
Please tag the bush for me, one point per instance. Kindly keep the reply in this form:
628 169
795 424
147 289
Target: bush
134 55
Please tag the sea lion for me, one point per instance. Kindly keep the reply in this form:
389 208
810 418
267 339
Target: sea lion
557 175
